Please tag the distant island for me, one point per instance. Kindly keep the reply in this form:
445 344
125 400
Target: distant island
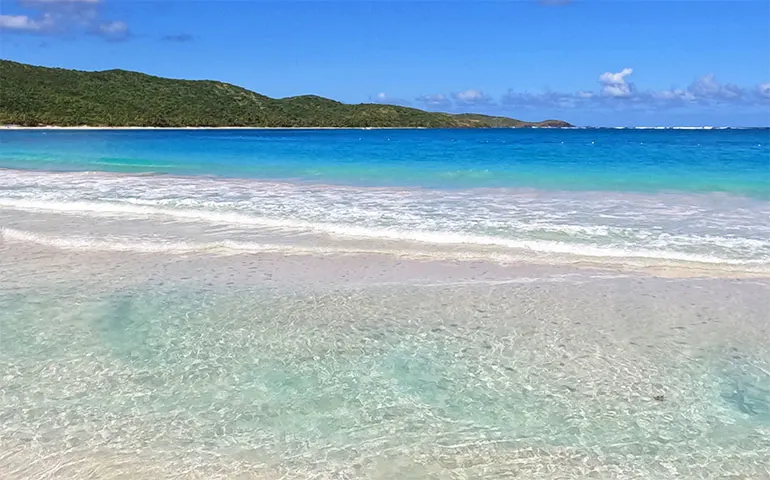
40 96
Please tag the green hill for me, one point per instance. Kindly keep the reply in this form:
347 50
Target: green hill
506 122
37 96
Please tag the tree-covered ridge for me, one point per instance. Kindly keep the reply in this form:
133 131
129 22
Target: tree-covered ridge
37 96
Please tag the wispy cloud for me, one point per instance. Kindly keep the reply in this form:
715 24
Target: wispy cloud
57 17
472 97
115 30
616 91
547 99
435 101
23 23
763 90
180 38
386 99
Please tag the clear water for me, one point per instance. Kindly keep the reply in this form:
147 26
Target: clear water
200 373
614 196
373 304
729 161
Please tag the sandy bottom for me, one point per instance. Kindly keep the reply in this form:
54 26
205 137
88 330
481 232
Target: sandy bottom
124 365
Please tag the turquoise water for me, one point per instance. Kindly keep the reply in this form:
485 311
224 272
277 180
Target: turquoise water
384 304
730 161
623 197
191 375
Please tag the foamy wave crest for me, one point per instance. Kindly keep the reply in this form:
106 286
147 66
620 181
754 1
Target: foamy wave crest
525 225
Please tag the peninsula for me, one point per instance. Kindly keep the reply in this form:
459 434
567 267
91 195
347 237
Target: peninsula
41 96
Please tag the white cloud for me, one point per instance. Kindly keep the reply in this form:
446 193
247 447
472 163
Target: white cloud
438 100
116 29
549 99
386 99
472 97
608 78
615 85
64 16
707 88
673 95
23 23
763 90
469 95
616 92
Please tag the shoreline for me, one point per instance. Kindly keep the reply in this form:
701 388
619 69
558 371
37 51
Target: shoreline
657 128
88 127
92 225
180 205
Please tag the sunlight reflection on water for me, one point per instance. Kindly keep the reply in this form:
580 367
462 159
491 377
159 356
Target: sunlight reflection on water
374 382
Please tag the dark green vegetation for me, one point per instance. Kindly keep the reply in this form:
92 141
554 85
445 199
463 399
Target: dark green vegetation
37 96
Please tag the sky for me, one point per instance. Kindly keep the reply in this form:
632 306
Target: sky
590 62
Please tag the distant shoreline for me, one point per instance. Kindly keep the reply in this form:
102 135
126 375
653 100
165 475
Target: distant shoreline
89 127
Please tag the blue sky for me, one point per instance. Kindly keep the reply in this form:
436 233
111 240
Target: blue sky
611 62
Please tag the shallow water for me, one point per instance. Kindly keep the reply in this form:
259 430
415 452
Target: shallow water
620 197
557 376
384 304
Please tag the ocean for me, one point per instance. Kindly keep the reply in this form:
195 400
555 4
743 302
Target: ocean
620 196
370 303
